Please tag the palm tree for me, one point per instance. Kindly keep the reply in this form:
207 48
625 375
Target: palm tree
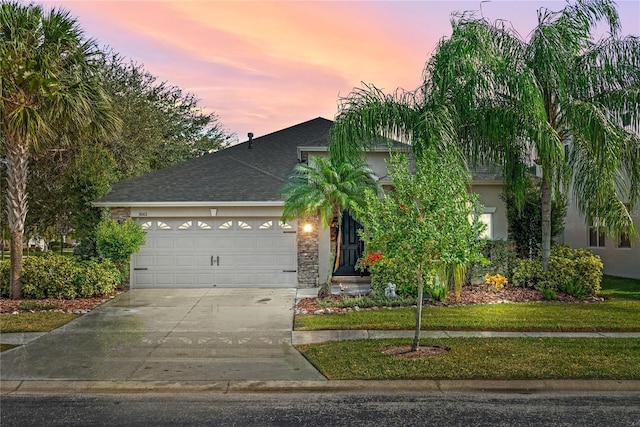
513 102
48 89
520 102
326 187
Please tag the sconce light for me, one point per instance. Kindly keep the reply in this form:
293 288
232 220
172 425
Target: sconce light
214 212
307 228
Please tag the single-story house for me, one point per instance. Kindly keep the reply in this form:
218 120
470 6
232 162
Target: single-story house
215 220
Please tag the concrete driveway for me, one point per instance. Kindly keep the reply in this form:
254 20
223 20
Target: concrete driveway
170 335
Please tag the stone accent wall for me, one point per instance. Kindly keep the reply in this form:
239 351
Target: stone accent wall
120 214
308 248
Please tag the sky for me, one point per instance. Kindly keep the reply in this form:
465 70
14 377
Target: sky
262 66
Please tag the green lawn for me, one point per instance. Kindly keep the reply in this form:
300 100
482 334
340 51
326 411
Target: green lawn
39 321
482 358
620 312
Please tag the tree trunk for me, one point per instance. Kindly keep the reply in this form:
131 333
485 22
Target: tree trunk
17 164
545 189
416 338
336 262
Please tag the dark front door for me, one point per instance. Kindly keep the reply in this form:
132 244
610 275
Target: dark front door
350 247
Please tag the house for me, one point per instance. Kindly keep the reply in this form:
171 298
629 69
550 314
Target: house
215 220
620 255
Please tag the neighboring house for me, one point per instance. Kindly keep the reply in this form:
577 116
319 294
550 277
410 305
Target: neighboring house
620 255
215 220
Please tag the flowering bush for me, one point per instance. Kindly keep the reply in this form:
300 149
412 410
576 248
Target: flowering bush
498 281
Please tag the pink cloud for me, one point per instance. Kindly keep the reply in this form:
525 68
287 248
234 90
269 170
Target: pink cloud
262 66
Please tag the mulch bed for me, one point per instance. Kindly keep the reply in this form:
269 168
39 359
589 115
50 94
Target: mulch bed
78 305
404 351
470 295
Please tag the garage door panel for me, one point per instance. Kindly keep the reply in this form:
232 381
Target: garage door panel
202 260
184 260
144 278
245 242
250 251
163 242
164 278
186 242
140 260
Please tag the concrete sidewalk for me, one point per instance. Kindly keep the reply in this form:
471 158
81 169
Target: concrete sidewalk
313 337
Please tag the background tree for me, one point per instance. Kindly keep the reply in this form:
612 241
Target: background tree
48 86
87 179
518 101
161 124
326 187
426 222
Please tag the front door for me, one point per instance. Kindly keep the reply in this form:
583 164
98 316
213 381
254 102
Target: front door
351 247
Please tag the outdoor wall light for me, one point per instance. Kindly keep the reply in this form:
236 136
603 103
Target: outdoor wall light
307 228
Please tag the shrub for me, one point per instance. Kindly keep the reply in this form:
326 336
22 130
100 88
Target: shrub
527 273
568 269
56 276
5 271
97 278
118 242
49 276
500 256
384 271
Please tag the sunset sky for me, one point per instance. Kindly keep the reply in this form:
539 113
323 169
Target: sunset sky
263 66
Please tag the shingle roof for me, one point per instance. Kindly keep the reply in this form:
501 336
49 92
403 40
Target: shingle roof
234 174
237 173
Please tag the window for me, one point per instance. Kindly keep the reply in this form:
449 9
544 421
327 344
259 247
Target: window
596 236
487 218
185 226
266 226
624 241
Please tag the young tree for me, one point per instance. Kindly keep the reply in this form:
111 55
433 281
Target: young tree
326 187
48 87
428 221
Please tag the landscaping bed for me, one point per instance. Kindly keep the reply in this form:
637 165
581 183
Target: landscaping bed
76 306
470 295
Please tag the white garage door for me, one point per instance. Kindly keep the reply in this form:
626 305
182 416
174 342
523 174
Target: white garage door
216 252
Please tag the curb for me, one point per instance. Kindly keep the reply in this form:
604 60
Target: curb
338 386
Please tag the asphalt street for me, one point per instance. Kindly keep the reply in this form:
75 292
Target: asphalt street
316 409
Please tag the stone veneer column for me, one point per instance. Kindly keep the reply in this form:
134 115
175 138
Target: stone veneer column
308 249
120 214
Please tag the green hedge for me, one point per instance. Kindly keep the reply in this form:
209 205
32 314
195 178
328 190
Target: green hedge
577 272
55 276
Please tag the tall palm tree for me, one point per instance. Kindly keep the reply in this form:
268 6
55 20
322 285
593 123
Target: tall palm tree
326 187
520 102
514 102
48 88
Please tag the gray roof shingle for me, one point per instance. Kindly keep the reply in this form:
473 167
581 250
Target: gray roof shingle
234 174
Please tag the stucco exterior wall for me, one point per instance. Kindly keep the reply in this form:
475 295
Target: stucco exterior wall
490 199
623 262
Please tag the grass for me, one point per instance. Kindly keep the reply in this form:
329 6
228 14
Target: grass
5 347
482 358
39 321
620 312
